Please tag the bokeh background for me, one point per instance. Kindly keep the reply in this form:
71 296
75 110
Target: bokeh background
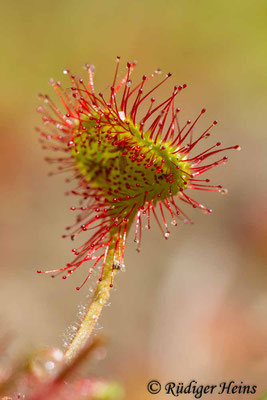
192 307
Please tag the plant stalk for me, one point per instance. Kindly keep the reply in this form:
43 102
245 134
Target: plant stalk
100 297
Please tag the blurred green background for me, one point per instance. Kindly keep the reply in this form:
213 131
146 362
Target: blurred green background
192 307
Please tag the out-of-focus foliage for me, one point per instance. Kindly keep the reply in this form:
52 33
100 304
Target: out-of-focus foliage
44 375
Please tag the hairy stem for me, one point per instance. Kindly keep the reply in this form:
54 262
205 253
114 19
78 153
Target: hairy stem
101 295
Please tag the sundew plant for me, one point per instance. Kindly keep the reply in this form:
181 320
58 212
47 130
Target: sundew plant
130 159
